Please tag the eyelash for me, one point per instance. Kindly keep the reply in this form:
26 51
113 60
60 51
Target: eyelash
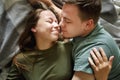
50 21
67 21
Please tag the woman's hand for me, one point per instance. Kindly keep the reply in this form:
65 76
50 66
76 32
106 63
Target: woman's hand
49 3
100 64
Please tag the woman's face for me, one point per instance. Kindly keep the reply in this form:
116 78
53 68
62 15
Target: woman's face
47 28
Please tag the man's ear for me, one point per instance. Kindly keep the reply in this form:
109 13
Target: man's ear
33 29
90 23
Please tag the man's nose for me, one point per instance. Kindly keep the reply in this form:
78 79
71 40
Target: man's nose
61 24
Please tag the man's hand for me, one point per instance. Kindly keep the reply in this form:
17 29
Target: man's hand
100 64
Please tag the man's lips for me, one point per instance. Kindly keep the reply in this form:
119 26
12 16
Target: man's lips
63 31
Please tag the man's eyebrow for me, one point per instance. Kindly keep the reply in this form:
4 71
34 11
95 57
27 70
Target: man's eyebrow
66 18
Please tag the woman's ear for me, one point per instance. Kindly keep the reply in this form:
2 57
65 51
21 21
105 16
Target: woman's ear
33 29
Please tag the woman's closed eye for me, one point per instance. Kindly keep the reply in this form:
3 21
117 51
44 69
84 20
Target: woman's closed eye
49 21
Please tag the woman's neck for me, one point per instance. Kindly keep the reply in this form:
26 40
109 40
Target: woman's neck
42 45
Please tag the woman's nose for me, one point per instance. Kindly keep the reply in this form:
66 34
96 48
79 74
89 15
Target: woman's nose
55 24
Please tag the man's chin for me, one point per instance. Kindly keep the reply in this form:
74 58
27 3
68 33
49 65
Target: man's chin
66 37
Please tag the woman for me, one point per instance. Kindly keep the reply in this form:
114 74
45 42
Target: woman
42 57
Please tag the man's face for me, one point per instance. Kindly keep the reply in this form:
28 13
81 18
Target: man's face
71 24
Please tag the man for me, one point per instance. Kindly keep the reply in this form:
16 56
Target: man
80 21
109 17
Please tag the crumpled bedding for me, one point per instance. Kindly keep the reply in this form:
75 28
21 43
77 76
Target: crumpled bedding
12 15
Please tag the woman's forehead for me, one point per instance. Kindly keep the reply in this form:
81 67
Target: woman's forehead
47 13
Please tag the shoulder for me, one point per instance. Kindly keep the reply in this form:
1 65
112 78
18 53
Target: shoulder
23 57
65 44
65 47
23 60
19 57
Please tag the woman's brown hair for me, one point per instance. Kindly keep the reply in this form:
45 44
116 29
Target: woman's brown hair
27 40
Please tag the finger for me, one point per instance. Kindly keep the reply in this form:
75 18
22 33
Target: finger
111 60
95 59
47 2
97 53
103 54
91 63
